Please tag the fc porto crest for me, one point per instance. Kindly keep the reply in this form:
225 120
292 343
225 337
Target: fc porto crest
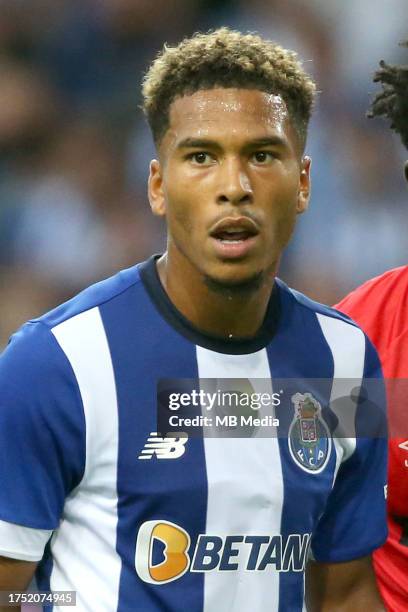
309 437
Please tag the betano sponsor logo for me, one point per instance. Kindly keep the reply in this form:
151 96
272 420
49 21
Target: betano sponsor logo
164 552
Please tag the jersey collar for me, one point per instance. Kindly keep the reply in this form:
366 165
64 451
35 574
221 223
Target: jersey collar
234 346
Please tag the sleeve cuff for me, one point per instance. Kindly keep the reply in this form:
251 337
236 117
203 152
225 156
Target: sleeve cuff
24 543
344 555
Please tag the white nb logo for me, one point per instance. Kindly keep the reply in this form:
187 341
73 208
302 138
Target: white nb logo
164 448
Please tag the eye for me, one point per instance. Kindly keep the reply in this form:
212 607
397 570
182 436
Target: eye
201 158
263 157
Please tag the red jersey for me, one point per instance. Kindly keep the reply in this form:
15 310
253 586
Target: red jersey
380 307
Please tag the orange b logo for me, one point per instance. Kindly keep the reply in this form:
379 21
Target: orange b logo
176 542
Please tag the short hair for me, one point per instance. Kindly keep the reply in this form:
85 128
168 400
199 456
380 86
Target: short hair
392 101
226 58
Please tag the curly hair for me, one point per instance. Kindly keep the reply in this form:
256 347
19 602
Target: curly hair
392 101
230 59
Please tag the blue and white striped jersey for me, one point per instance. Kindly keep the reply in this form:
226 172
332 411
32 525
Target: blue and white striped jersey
135 522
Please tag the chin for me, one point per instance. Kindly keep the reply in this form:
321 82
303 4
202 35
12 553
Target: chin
235 283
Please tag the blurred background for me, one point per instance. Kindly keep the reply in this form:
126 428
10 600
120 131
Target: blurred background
74 147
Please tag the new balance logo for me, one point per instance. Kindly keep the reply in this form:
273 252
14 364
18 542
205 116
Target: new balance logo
164 448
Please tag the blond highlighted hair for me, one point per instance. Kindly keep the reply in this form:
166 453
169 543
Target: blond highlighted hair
230 59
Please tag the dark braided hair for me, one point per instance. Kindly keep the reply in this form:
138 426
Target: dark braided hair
392 101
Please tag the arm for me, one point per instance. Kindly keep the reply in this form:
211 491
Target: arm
342 587
42 449
15 576
353 524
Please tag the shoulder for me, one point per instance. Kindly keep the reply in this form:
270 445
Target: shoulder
379 306
313 308
34 355
351 351
94 296
390 285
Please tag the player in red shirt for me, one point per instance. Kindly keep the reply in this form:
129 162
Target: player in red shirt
380 307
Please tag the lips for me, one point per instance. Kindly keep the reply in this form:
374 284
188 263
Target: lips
234 229
234 238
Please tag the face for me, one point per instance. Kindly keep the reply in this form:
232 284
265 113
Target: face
230 181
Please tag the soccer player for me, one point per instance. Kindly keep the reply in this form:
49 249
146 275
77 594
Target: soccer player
93 497
380 307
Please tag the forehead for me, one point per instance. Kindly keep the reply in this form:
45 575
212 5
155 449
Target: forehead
217 112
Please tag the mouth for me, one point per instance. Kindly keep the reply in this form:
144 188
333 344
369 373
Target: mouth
234 237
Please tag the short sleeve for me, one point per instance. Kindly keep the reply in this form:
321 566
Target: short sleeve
42 438
354 522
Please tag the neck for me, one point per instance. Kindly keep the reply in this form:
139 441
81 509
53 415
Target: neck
235 312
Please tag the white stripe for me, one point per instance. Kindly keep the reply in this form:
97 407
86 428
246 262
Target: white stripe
16 540
245 492
347 344
84 546
304 607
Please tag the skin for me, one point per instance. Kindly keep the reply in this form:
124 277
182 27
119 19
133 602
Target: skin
15 576
232 174
342 587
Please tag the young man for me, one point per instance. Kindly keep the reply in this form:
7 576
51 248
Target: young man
92 496
380 307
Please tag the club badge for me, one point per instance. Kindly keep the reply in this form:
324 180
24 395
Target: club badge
309 437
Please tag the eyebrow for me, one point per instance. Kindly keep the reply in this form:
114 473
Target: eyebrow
268 141
196 143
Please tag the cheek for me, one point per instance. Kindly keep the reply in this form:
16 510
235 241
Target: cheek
183 219
280 184
179 212
187 201
285 227
282 212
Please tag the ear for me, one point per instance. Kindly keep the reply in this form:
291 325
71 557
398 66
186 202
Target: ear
155 189
304 185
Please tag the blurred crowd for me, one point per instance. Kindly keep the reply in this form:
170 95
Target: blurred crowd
74 146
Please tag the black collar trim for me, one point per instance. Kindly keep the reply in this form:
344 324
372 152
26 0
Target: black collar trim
233 346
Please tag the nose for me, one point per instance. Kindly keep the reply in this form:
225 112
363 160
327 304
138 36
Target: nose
234 183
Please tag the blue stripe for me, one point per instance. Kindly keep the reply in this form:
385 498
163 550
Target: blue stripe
43 574
145 348
297 355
